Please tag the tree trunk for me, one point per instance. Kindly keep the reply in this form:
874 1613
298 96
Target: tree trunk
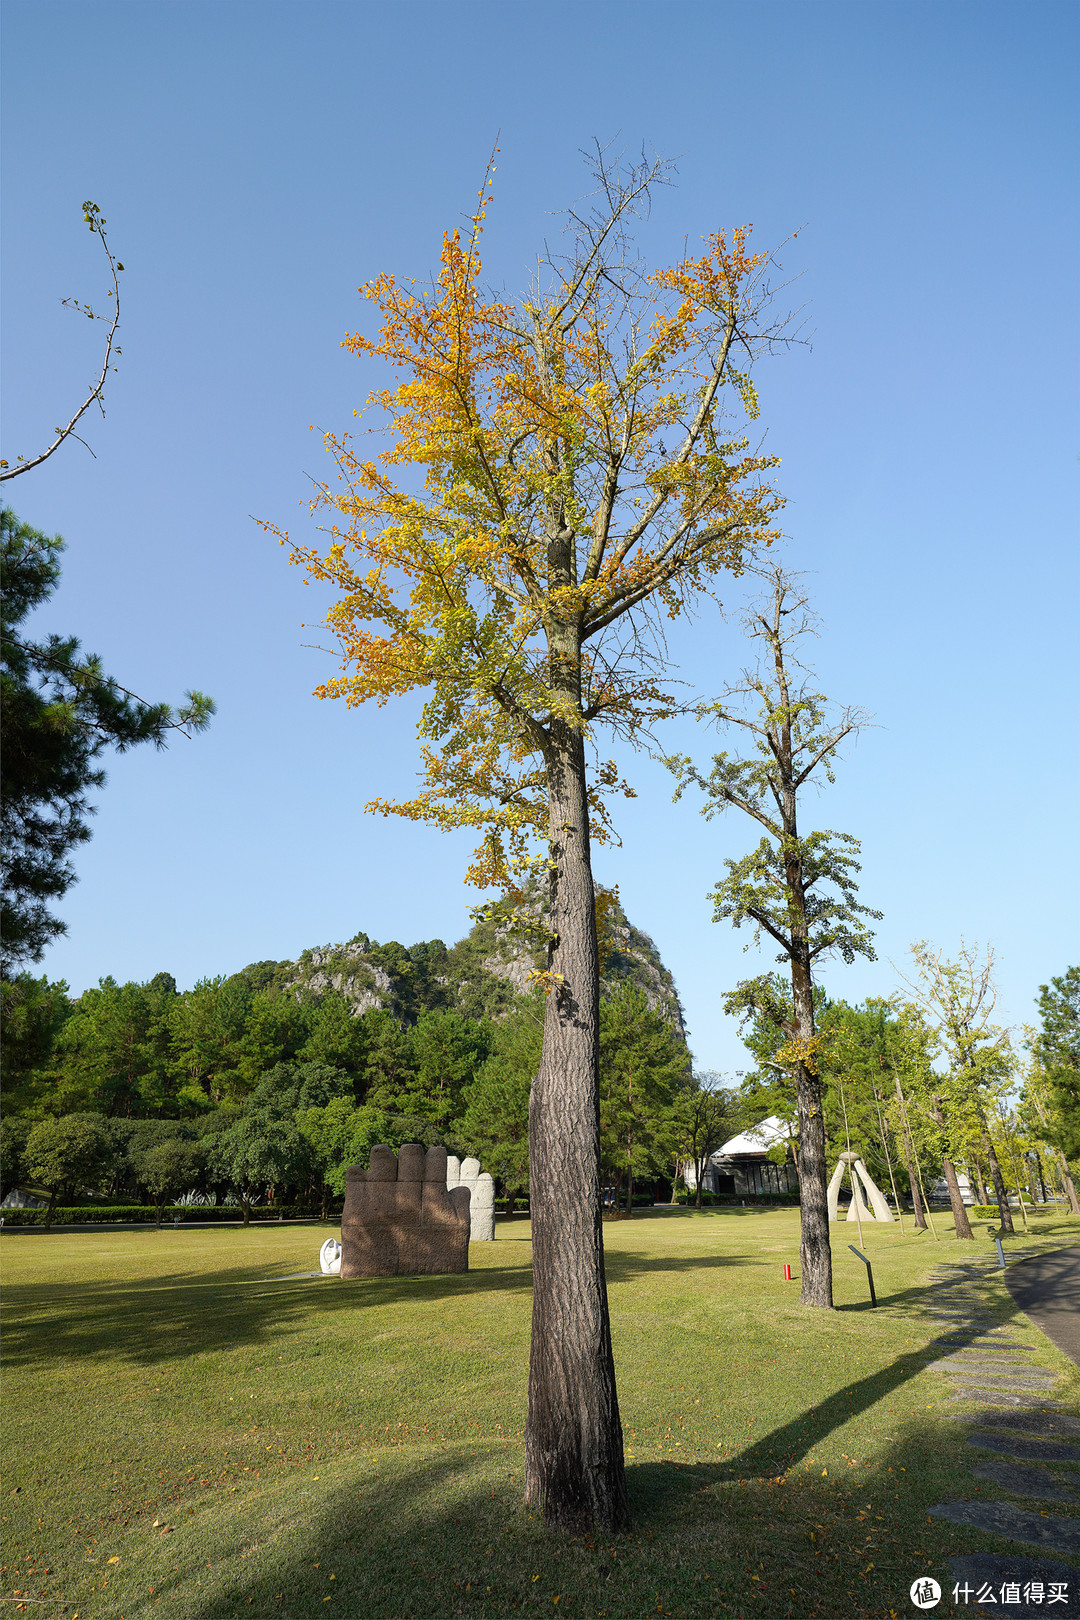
956 1198
1042 1178
909 1162
960 1217
1000 1192
815 1251
979 1182
1068 1184
573 1439
247 1208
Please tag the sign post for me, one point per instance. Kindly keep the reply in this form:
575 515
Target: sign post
869 1273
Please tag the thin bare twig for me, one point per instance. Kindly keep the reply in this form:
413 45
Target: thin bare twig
92 216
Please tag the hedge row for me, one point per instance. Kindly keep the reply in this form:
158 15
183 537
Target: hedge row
111 1215
106 1215
729 1199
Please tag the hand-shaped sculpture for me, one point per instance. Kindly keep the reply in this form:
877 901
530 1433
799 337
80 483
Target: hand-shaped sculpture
481 1196
399 1217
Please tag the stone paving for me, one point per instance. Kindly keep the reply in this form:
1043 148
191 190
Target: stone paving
1022 1442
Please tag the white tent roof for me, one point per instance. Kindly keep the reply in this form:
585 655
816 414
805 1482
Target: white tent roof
758 1139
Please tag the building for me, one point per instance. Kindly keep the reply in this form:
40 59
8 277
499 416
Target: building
742 1168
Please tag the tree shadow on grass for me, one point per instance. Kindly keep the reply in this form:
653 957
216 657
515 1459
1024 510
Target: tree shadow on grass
782 1449
622 1265
191 1314
449 1535
164 1319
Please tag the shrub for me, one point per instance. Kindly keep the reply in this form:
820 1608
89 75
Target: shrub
98 1215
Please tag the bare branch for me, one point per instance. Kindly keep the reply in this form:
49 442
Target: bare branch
93 218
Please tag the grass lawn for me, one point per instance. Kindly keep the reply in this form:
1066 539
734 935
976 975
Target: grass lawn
322 1448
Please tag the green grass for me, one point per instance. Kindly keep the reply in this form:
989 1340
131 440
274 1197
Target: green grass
355 1449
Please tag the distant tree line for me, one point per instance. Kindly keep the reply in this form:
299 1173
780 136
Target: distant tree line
251 1086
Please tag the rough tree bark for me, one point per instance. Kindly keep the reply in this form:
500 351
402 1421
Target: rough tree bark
573 1439
815 1250
956 1199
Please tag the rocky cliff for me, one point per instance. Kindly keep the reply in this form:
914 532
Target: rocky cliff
481 976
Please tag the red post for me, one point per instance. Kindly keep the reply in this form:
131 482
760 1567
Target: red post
787 1273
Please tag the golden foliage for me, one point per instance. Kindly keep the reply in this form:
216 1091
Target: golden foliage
552 467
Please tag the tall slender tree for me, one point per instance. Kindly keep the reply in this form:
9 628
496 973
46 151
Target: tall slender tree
958 999
798 888
569 479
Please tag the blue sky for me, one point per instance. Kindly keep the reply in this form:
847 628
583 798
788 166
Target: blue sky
257 162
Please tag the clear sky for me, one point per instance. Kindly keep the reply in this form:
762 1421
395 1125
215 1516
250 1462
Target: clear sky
257 162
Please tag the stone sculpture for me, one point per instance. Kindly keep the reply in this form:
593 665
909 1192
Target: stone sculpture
481 1200
330 1257
401 1218
857 1171
481 1195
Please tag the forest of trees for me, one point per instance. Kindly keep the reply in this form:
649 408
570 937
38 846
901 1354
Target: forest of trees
279 1055
258 1086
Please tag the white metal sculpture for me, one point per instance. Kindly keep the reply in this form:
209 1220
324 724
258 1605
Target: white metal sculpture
330 1257
857 1172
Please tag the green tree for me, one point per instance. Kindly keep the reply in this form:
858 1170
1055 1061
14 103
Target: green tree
32 1013
495 1121
797 888
276 1030
876 1045
337 1036
261 1152
289 1086
1057 1047
68 1156
112 1054
169 1168
207 1027
448 1050
14 1132
59 711
705 1115
1041 1103
340 1134
957 998
644 1064
389 1061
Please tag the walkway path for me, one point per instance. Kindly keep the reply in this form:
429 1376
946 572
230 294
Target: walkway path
1025 1442
1047 1288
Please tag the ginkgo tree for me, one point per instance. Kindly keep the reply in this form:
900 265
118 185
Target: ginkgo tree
798 888
560 475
